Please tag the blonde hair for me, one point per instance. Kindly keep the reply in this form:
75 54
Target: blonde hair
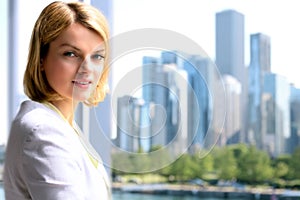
53 20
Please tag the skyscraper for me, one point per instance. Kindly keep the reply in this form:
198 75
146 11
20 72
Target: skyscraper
232 124
165 85
230 43
261 51
156 89
294 140
276 102
134 124
200 77
230 54
259 66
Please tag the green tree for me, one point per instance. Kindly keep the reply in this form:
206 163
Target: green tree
204 165
254 166
159 158
130 163
155 148
281 170
225 164
295 164
281 166
183 168
238 150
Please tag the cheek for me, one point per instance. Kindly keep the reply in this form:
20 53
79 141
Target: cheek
98 70
55 67
51 70
58 71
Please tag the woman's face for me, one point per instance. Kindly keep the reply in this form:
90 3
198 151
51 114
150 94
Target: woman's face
74 62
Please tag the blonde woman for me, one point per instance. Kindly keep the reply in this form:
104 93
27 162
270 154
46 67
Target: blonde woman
47 156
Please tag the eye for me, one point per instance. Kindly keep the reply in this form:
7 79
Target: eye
97 57
70 54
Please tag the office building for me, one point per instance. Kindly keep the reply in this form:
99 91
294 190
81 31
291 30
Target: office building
294 140
230 54
200 98
165 85
232 124
276 112
133 124
259 66
230 41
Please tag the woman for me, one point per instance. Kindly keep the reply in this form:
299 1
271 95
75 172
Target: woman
47 156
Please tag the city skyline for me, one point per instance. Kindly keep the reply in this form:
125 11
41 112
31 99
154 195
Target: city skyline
196 20
134 14
272 90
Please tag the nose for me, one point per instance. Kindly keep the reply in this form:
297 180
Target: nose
85 65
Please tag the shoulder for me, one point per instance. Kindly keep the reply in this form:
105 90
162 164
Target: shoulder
37 126
33 114
40 142
36 119
38 122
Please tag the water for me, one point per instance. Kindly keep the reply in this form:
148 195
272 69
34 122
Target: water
131 196
126 196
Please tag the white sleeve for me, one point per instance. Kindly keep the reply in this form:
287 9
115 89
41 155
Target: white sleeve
50 167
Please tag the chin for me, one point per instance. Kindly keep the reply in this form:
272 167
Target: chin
81 98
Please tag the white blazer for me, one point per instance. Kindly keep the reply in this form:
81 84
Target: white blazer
46 160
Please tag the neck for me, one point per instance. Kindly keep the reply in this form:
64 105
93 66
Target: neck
67 109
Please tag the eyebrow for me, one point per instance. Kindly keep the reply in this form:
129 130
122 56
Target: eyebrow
77 49
69 45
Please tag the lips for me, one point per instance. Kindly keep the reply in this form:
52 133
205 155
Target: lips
82 83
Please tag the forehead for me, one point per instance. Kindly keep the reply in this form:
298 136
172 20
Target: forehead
80 37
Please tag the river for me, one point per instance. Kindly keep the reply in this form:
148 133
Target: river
126 196
131 196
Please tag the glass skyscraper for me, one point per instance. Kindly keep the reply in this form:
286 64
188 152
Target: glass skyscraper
165 85
232 124
134 124
230 53
200 77
259 65
294 140
230 43
276 102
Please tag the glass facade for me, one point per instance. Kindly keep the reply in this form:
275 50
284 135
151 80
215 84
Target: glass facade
200 78
294 140
230 39
259 65
277 107
230 54
232 125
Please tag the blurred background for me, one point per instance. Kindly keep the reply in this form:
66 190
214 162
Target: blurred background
240 99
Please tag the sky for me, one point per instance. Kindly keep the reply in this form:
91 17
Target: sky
196 20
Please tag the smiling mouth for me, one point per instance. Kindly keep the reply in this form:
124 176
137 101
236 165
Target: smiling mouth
82 84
